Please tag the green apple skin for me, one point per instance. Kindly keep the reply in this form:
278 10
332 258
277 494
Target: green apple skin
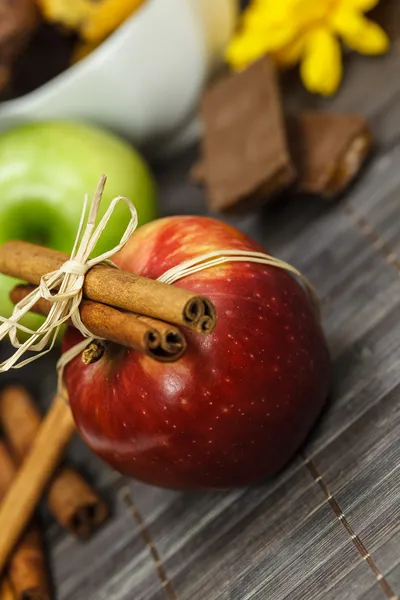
45 171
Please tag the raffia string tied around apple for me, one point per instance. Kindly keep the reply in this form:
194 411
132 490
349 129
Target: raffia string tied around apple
63 287
68 280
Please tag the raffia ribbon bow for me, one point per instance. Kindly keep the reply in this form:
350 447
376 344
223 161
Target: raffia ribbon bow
69 280
63 288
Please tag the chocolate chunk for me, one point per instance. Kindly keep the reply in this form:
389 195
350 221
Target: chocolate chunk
5 75
328 150
18 20
48 53
245 154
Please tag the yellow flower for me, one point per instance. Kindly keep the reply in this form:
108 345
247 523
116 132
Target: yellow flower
93 21
306 31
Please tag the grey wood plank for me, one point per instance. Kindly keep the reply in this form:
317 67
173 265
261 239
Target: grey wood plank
361 469
387 556
354 584
354 468
375 592
152 501
373 195
188 514
363 374
327 569
115 564
394 577
265 544
332 244
382 216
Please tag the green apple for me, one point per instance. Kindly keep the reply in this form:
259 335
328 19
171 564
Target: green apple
45 171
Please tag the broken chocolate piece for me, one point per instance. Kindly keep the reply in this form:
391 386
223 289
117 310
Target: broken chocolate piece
4 76
47 54
18 20
328 150
245 154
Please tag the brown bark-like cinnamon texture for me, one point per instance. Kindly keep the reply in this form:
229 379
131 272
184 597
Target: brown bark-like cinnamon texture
156 339
27 568
114 287
6 591
173 342
26 489
72 501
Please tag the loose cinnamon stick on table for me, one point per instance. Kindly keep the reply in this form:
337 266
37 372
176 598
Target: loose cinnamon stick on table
27 568
6 591
156 339
114 287
72 501
33 475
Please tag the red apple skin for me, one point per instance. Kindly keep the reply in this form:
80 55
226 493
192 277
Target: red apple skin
237 406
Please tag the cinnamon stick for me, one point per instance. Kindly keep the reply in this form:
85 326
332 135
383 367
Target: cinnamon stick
173 342
75 504
156 339
6 591
37 469
72 501
27 569
114 287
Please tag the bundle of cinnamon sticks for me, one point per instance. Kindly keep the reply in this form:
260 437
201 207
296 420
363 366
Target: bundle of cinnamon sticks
119 307
124 308
71 500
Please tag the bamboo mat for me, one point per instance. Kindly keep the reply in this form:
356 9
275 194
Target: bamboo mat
328 528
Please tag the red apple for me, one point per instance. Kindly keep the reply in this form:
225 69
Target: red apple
239 404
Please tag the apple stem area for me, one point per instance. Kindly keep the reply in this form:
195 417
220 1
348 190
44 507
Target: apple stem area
93 353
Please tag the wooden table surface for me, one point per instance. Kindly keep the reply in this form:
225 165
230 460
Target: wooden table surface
286 539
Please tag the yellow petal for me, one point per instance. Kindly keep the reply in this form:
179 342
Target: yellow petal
360 33
106 16
321 68
82 50
280 12
92 20
271 11
70 13
247 46
265 22
291 54
245 49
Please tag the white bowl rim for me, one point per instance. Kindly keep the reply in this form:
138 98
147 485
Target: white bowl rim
94 58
